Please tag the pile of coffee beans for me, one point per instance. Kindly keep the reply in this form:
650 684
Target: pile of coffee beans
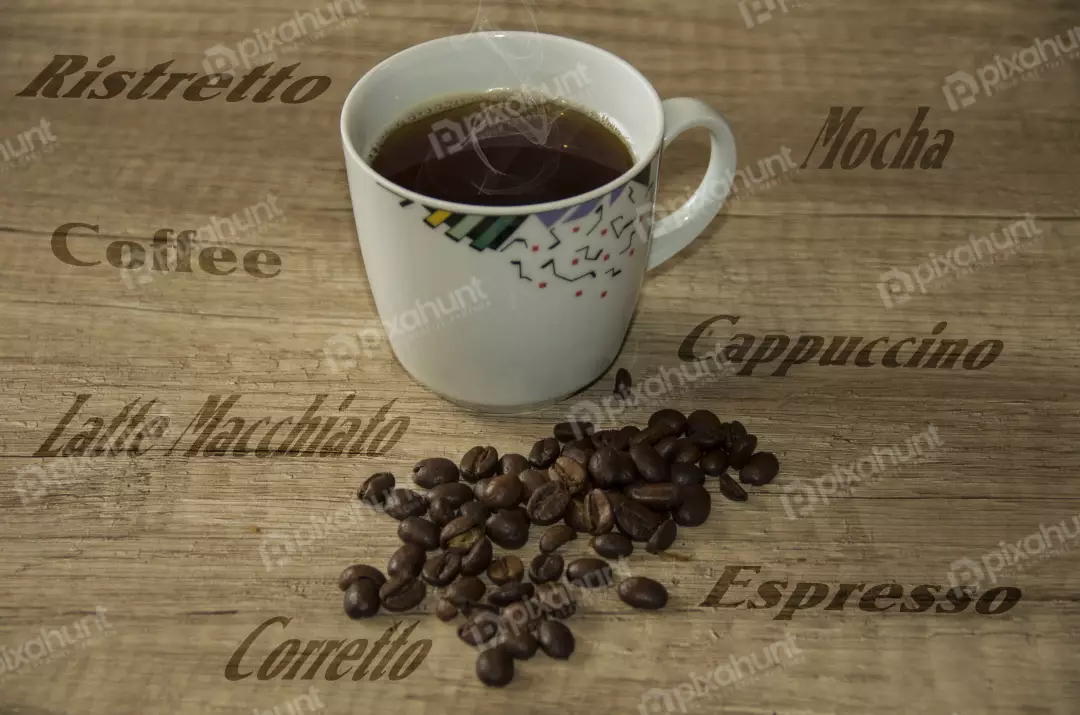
618 486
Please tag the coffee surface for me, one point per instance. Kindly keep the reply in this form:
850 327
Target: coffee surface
503 149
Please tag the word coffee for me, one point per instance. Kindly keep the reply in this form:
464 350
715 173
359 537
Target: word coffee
293 655
200 88
168 253
834 135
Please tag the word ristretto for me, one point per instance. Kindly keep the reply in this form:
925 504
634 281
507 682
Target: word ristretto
54 79
238 437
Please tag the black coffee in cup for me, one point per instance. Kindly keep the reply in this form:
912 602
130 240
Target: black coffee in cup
502 149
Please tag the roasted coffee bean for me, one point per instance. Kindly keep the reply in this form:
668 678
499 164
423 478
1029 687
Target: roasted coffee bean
641 592
523 616
465 540
597 515
732 431
419 531
666 448
376 488
556 639
575 516
434 471
479 463
546 567
451 534
521 644
683 474
636 520
442 512
475 510
604 467
612 546
656 496
360 572
706 440
531 480
477 558
629 432
506 569
495 667
715 462
732 489
513 464
650 465
445 611
569 431
548 503
501 492
403 503
508 529
702 420
649 435
407 560
555 536
662 538
510 593
572 475
616 499
686 452
556 600
519 512
581 451
760 470
472 610
468 589
454 493
742 448
362 599
441 570
695 507
623 382
616 439
627 472
402 593
672 422
544 452
477 631
589 572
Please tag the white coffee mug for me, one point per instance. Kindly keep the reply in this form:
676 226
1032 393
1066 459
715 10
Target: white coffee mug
508 309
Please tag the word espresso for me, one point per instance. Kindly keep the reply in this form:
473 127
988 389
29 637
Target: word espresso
127 430
840 350
168 253
875 599
834 135
200 88
288 659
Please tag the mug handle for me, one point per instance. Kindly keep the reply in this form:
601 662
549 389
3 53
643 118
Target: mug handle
675 232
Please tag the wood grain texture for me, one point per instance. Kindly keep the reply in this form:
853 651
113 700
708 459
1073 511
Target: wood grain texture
172 546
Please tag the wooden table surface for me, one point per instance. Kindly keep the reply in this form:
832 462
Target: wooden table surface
128 581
